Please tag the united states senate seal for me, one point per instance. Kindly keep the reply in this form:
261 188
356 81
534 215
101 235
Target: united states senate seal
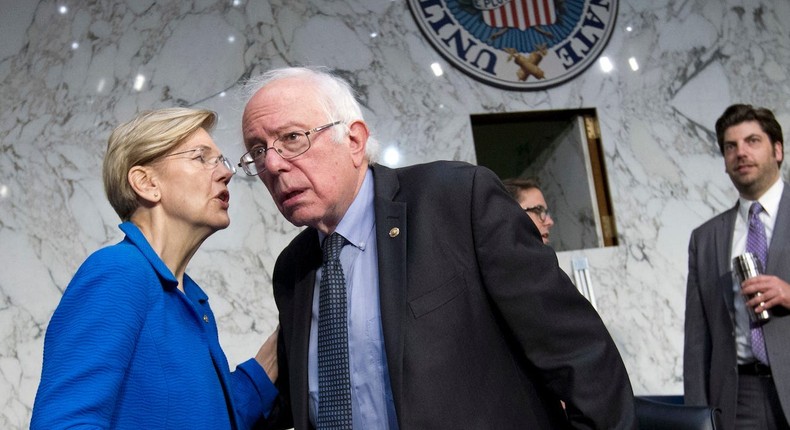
517 44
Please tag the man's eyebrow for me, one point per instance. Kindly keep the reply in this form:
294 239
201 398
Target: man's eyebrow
255 141
277 133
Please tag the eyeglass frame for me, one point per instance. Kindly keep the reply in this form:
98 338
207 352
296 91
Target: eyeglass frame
246 164
541 211
207 164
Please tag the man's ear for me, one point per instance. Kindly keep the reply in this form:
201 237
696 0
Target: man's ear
144 183
358 135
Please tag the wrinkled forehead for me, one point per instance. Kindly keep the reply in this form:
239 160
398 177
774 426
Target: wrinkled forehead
280 105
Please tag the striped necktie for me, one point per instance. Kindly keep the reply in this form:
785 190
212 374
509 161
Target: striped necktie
757 244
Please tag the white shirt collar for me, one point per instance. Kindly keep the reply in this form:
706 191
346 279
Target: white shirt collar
769 201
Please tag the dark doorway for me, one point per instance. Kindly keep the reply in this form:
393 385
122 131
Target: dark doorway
563 150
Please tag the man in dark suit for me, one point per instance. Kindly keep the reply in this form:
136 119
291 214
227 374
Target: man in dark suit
457 315
741 366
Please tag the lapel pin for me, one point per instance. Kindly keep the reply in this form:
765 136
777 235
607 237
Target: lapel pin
394 231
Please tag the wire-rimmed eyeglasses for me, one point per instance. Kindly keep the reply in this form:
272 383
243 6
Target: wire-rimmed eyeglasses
541 211
208 162
289 145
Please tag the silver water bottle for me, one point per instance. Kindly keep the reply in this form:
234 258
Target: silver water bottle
748 266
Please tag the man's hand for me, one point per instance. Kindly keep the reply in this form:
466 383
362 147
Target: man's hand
267 355
773 292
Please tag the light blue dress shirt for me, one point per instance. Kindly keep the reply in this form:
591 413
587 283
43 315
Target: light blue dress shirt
372 404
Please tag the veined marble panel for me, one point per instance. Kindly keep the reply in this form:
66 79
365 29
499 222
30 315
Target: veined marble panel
73 70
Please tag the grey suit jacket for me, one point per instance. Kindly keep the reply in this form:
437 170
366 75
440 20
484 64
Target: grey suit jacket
482 328
710 371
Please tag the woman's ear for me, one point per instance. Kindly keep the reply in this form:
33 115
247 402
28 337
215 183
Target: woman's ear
144 183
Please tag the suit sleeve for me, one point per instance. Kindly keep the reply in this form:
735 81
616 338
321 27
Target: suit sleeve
697 337
88 347
557 329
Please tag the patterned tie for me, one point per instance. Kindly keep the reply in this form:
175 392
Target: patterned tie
758 245
334 386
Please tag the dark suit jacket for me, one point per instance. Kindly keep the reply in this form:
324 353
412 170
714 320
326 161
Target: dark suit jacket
482 329
710 371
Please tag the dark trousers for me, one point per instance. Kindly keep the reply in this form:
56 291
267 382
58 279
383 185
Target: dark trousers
758 404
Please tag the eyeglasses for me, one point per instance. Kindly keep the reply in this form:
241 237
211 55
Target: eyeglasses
288 146
541 211
208 162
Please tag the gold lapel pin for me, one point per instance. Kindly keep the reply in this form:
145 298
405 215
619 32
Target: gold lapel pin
394 231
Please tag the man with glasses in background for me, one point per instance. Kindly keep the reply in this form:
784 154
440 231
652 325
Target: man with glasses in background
432 304
526 191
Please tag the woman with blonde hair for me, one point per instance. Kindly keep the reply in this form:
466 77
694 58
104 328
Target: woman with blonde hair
133 343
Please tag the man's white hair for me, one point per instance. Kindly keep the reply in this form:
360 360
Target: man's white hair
333 94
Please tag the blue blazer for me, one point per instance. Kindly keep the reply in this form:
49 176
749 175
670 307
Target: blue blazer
125 349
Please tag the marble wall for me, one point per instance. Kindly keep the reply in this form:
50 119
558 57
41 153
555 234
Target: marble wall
71 70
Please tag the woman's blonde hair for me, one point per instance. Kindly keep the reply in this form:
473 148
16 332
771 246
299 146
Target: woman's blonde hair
146 138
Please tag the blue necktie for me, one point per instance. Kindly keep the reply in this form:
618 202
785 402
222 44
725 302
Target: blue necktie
757 244
334 385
